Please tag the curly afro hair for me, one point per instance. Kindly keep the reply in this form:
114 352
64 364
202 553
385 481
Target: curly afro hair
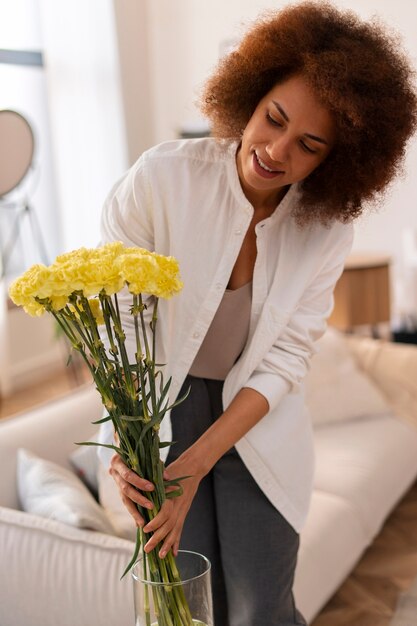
358 72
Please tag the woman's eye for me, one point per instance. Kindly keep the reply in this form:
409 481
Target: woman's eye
272 121
307 149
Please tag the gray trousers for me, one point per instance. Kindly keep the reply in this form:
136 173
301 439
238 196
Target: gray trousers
252 548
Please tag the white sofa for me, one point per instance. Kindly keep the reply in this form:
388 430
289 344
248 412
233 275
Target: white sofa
53 574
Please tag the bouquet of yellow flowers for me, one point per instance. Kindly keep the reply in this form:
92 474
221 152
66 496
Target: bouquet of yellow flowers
80 290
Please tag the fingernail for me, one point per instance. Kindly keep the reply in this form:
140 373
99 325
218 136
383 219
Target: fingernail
149 505
162 554
149 486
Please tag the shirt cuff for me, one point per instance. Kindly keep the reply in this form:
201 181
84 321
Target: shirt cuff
272 386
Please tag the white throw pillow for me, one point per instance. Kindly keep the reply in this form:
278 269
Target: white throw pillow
51 491
111 501
336 388
85 461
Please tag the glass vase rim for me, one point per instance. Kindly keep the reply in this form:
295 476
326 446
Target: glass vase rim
173 584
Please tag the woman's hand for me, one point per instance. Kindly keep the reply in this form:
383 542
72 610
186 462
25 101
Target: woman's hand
168 523
126 481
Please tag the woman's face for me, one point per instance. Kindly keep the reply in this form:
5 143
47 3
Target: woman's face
289 134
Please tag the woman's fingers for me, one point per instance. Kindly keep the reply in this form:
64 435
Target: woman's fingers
132 509
127 481
160 519
161 526
117 464
171 542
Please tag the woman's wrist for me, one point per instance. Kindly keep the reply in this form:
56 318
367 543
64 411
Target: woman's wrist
198 460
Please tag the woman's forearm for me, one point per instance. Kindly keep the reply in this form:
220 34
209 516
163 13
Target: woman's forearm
247 409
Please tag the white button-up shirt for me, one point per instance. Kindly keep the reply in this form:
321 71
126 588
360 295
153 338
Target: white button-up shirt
184 198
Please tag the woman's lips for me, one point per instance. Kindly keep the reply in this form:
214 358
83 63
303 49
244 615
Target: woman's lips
260 168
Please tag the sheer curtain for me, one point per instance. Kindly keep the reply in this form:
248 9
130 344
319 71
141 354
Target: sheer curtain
86 112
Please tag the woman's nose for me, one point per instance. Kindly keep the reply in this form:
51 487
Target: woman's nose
278 150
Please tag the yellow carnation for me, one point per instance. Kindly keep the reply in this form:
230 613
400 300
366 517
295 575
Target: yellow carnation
58 302
88 270
148 272
140 271
34 283
33 308
96 310
169 282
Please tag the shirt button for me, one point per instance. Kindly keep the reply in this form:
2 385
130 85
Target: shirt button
238 231
196 335
219 286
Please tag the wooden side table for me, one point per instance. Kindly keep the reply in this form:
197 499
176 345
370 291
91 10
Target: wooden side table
362 294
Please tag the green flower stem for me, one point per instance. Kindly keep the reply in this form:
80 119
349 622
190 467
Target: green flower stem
120 338
153 328
151 361
139 355
104 299
115 381
144 333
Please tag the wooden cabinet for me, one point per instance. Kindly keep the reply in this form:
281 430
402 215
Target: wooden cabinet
362 294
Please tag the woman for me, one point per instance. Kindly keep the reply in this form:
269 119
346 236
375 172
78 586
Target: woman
310 117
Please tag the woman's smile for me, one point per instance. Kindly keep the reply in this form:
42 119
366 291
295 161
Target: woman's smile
263 169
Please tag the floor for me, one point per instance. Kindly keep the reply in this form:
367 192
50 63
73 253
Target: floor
388 568
370 595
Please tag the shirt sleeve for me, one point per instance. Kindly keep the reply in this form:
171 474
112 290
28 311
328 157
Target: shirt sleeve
288 361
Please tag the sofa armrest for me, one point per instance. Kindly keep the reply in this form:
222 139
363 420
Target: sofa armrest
49 431
393 367
53 574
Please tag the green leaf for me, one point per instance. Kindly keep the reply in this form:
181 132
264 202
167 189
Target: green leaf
175 482
155 420
135 554
102 420
174 494
177 402
164 393
103 445
165 444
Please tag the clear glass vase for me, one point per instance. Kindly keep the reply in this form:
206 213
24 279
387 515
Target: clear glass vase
185 603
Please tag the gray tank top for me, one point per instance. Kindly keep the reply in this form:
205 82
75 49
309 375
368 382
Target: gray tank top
226 336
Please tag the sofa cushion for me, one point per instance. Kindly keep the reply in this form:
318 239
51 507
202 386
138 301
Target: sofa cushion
370 463
51 491
336 388
393 367
53 574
